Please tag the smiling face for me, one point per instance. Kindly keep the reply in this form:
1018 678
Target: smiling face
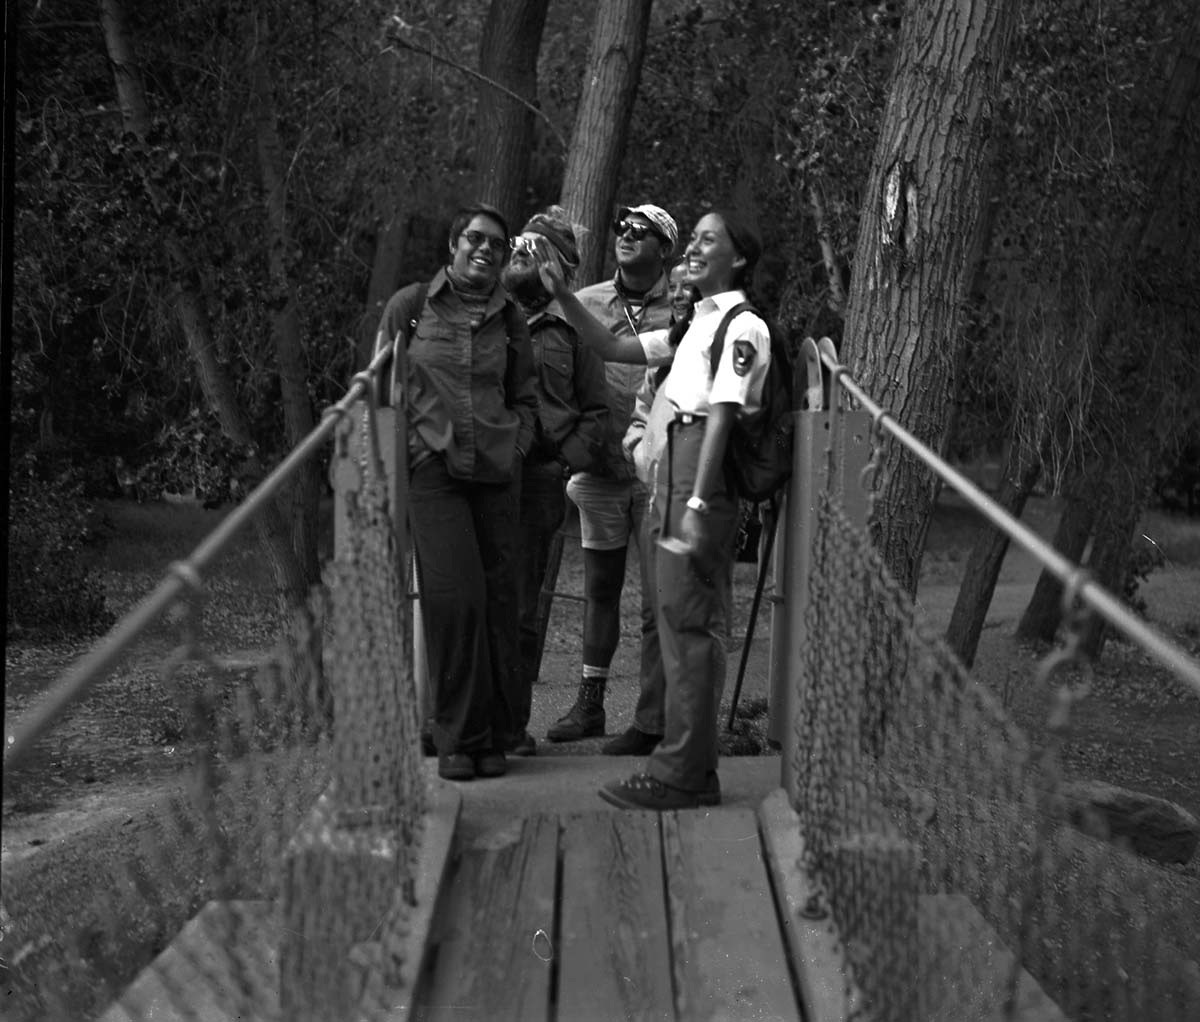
679 290
477 255
710 257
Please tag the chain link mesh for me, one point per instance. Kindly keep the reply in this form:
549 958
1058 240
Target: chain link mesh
250 863
921 803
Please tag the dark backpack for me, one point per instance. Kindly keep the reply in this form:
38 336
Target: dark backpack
759 455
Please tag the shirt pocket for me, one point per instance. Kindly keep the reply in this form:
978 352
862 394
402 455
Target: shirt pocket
559 362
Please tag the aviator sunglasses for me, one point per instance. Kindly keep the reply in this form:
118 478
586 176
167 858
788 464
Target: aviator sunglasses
635 232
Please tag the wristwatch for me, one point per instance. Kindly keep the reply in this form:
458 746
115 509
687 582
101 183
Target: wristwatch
698 504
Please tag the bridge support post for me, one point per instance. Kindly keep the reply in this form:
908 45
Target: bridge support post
349 870
831 449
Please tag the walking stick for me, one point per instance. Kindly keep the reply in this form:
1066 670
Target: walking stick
758 591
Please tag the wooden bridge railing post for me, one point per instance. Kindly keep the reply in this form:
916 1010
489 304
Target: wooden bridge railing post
822 426
343 867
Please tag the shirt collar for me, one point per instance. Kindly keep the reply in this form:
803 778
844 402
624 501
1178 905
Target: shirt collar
552 311
722 302
657 291
496 300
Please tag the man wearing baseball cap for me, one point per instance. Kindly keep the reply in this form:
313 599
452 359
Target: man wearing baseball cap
612 501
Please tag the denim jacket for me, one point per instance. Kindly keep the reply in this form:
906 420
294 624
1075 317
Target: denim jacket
573 412
472 396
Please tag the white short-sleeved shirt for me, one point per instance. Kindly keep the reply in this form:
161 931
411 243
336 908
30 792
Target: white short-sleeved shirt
745 358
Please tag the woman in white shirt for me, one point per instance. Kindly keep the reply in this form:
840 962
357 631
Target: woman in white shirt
694 497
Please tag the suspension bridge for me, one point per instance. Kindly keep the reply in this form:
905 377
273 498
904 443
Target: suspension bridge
907 855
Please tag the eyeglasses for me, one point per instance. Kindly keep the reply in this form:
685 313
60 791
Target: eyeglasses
634 232
522 243
478 239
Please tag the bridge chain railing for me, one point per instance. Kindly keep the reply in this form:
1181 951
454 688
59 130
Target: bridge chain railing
936 830
280 864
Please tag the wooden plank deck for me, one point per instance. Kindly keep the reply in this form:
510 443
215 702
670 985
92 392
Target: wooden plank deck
622 916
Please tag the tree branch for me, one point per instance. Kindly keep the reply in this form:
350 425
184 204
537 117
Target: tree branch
425 52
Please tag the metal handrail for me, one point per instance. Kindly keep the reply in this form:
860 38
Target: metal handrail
180 576
1077 580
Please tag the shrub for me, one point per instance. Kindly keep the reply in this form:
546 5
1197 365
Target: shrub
52 587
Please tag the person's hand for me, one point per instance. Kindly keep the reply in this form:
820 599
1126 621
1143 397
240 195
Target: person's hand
549 268
692 529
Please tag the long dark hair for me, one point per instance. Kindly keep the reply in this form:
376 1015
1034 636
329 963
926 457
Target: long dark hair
746 240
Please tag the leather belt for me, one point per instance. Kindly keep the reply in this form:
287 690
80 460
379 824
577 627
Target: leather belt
687 418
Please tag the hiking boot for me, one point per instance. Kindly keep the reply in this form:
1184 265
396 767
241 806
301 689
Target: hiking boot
642 791
583 720
523 746
632 742
491 764
456 766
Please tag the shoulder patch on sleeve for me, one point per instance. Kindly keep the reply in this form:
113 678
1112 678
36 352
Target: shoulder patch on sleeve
743 357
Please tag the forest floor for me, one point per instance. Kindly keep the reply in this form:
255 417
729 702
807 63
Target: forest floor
125 733
1138 728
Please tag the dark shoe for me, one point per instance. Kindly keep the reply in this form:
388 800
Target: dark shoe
523 746
456 766
632 742
642 791
583 720
711 795
491 764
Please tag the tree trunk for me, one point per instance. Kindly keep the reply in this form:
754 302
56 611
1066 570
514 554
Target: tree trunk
610 83
917 239
1111 544
131 94
1044 612
512 37
285 326
1145 441
983 568
219 390
385 272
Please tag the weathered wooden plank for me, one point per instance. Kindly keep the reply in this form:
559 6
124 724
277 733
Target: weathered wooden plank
614 950
816 955
493 948
223 965
965 967
730 962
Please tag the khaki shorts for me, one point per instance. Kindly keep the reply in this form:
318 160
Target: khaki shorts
610 510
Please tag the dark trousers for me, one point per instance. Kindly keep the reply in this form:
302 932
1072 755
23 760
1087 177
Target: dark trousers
543 507
464 534
693 592
649 713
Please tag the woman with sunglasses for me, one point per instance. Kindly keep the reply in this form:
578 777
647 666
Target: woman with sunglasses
472 402
694 499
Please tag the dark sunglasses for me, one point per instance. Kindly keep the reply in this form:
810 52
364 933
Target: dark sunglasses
635 232
477 239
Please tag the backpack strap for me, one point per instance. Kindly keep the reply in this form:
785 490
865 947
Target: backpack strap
718 344
413 312
408 326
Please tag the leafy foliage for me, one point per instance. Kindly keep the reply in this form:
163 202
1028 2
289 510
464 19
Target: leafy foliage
52 588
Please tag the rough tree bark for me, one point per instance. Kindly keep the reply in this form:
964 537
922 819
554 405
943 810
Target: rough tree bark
512 37
285 326
610 83
917 240
290 583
